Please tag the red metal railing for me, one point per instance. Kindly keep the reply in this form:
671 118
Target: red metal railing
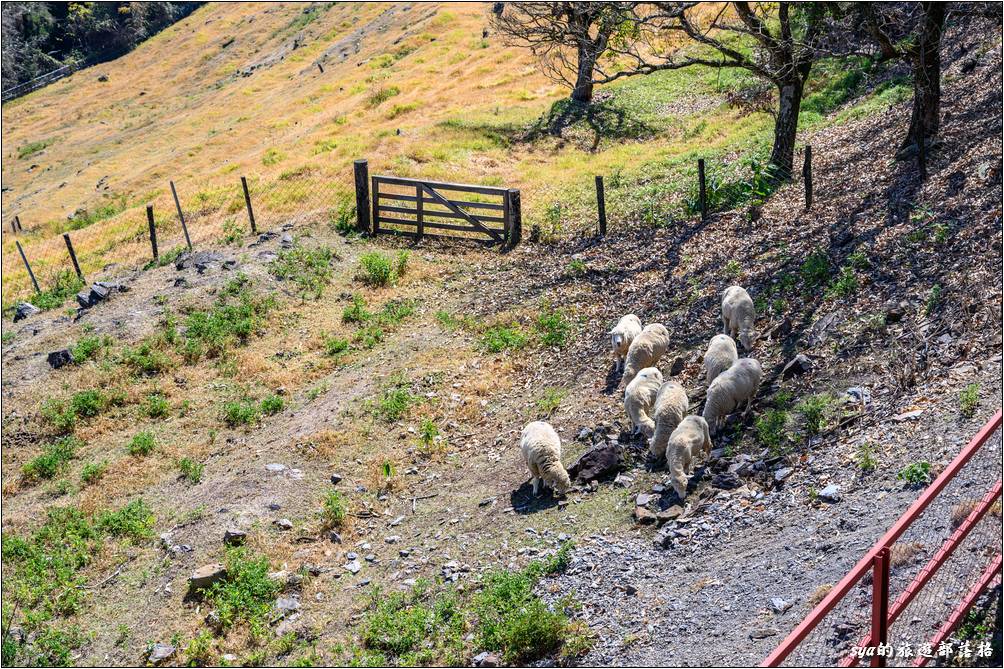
875 644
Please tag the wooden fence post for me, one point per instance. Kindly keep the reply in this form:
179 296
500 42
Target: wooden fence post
17 220
601 206
247 201
420 195
516 218
73 256
807 177
362 176
153 230
880 605
13 226
702 189
34 281
181 216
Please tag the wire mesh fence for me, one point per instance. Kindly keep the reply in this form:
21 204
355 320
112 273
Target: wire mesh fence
925 586
215 213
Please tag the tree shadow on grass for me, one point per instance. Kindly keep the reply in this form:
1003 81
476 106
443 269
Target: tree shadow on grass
602 119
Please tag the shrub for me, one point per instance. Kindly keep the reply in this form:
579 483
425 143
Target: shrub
548 403
933 299
770 429
815 270
237 315
246 596
65 285
555 328
577 267
381 96
272 404
356 312
513 621
500 338
240 412
309 269
93 471
343 220
394 402
190 469
395 311
969 400
334 346
88 348
142 443
369 336
335 509
845 285
59 414
376 269
87 403
401 264
146 360
815 411
916 474
866 457
156 406
52 460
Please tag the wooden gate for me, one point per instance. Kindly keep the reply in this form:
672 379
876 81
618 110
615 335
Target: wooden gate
419 208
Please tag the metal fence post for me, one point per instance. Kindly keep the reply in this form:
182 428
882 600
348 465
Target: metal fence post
73 256
247 201
181 216
362 175
153 230
702 189
601 205
880 605
24 258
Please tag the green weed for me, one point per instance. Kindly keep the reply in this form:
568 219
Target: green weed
93 471
309 269
550 400
65 285
500 338
241 412
246 596
335 509
376 269
191 470
865 457
53 459
156 406
916 473
969 400
143 443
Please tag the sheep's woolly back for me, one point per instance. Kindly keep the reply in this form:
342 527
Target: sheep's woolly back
738 315
627 328
639 398
646 350
541 447
690 439
671 404
731 388
720 355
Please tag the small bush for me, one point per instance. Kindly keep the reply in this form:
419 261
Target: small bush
933 300
394 402
88 348
500 338
395 311
555 328
272 405
134 521
356 312
815 270
87 403
190 469
513 621
369 336
969 400
52 460
60 415
916 474
577 267
335 509
866 459
845 285
771 430
93 471
401 263
247 595
309 269
376 269
65 285
237 315
815 411
156 406
240 412
334 346
549 402
146 360
142 443
381 96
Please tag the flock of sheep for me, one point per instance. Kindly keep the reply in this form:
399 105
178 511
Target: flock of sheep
658 408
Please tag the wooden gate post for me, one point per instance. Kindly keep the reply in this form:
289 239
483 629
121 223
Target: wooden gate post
702 189
516 218
601 206
181 216
247 201
13 227
73 256
807 177
362 175
419 218
153 230
880 605
24 259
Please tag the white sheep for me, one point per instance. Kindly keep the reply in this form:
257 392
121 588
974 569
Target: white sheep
671 404
627 328
690 438
646 350
737 384
720 355
541 448
738 315
639 398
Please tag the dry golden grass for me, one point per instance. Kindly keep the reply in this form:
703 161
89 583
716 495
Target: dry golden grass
903 554
817 595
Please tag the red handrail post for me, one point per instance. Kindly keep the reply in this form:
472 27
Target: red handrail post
880 606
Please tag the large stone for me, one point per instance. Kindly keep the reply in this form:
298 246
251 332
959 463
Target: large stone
800 364
161 651
336 479
487 659
644 516
200 260
353 566
206 575
287 605
726 481
781 474
97 292
60 358
234 537
830 493
25 309
598 462
672 513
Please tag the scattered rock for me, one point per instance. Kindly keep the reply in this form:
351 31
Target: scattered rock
234 537
104 78
392 539
763 633
726 481
909 415
60 358
800 364
160 651
671 513
894 312
284 524
353 566
779 605
781 474
275 468
334 537
644 516
200 260
97 292
205 576
486 659
643 499
830 493
336 479
287 605
677 367
598 462
25 309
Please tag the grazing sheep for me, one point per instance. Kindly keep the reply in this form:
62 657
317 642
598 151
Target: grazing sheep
690 438
735 385
738 315
639 398
645 350
627 328
671 406
720 355
541 448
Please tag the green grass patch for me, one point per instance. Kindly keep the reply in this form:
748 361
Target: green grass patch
309 269
550 400
53 459
246 596
272 405
65 285
155 406
378 270
191 470
89 348
241 412
380 96
815 411
969 400
356 312
499 338
146 359
554 328
93 471
142 444
335 509
334 346
865 457
31 148
237 315
395 401
916 473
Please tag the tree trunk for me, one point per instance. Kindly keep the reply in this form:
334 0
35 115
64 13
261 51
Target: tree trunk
782 155
583 90
926 118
